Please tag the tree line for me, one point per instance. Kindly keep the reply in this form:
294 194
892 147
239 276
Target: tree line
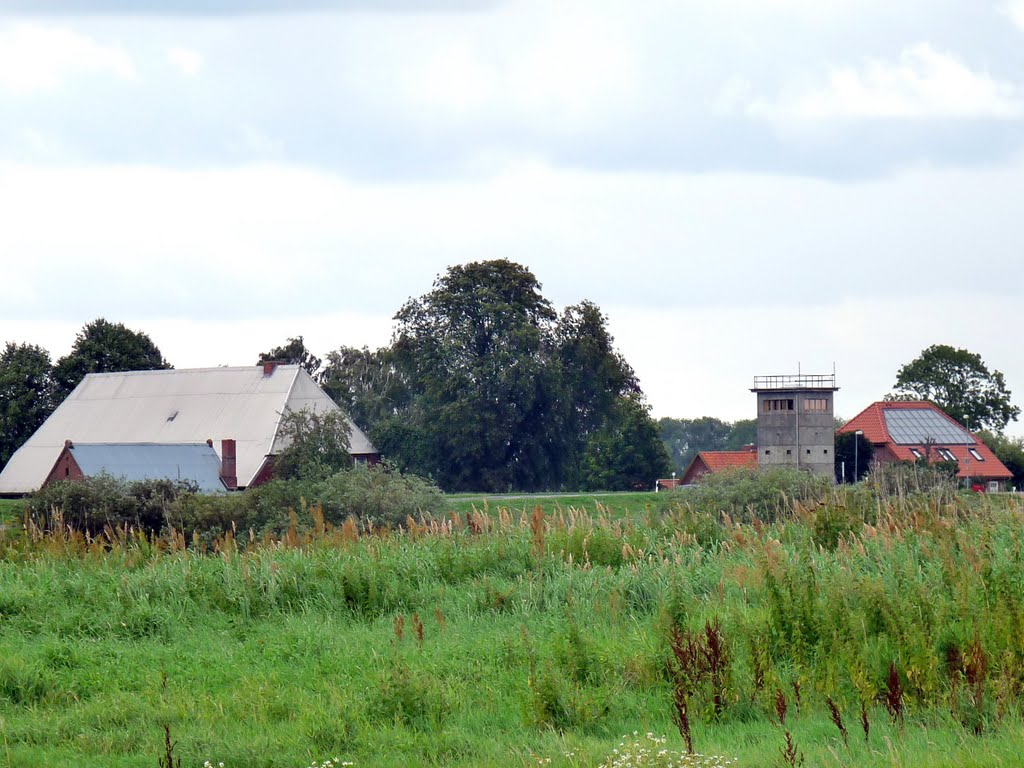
484 387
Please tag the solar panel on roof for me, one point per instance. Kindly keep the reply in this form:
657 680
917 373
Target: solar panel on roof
917 426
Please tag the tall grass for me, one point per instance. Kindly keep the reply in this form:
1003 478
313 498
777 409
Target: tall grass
501 638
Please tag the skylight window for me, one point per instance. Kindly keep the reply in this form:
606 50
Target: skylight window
977 456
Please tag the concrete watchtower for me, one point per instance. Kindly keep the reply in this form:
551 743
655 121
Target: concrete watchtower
795 422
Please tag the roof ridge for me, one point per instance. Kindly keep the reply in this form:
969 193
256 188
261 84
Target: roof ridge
207 369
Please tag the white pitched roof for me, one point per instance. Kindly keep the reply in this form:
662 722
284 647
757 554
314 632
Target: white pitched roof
175 406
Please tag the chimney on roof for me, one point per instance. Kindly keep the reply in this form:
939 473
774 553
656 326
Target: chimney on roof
228 473
68 444
269 366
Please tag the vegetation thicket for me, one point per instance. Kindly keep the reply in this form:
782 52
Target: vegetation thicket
785 622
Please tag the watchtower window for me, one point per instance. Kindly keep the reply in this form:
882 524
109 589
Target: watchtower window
815 405
778 405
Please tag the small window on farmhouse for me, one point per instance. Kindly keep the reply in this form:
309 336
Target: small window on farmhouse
977 456
917 453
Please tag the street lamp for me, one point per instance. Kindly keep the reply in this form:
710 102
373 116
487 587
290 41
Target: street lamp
856 445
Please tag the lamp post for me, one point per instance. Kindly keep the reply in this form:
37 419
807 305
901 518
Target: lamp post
856 445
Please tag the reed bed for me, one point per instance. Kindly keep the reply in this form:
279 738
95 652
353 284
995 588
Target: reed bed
853 630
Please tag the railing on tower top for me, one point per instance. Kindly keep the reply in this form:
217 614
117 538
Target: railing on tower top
796 381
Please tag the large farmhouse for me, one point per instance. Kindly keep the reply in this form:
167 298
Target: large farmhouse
921 431
239 406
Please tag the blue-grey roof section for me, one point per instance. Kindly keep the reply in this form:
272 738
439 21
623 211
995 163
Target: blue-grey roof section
197 463
918 426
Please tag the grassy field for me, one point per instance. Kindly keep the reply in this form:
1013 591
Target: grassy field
515 639
10 510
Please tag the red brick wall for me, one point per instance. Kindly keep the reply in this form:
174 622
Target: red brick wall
65 468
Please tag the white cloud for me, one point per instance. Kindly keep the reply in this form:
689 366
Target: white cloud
36 57
188 61
1015 10
923 83
560 67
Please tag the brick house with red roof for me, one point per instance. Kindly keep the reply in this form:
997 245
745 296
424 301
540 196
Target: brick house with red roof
706 462
912 430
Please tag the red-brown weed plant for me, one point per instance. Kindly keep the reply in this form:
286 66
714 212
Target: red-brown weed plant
976 671
417 628
716 663
781 706
865 723
837 719
400 627
894 694
684 666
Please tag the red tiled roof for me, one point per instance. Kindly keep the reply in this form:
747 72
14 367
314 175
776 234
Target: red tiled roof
871 421
716 461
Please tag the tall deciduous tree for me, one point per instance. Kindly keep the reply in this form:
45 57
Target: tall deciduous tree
293 352
26 395
103 347
960 383
627 452
367 384
474 351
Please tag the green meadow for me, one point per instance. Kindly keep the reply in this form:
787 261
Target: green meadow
505 638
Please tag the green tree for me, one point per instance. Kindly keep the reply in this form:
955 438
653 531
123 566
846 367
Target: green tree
959 383
1009 450
316 445
742 433
847 455
104 347
367 384
293 352
627 452
27 395
475 351
594 378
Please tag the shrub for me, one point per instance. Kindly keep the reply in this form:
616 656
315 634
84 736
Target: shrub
749 494
91 503
211 516
379 494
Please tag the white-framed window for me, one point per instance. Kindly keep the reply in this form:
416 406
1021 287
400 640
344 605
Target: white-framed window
974 453
917 453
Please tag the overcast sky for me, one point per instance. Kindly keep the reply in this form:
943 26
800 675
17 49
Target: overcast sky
744 186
